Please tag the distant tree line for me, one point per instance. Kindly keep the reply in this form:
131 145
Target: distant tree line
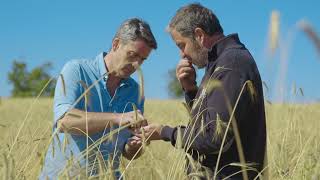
174 87
30 83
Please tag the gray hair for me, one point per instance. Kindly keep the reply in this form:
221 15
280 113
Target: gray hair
193 16
134 29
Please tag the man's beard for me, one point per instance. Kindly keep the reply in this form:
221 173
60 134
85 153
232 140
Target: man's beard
200 56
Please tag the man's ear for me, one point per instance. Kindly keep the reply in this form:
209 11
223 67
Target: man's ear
199 35
115 44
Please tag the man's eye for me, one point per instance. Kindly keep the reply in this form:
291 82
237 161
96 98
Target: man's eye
132 54
181 46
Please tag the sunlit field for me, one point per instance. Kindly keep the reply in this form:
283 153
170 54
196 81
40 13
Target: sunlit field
293 141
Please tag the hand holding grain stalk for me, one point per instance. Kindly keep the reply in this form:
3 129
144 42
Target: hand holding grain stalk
150 132
134 119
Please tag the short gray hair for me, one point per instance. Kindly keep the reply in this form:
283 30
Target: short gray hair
134 29
193 16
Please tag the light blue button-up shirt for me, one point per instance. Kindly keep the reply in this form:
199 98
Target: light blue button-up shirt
67 153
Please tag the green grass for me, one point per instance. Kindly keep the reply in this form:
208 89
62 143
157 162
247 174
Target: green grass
293 140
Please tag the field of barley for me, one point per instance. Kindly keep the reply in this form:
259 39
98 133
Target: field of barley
293 140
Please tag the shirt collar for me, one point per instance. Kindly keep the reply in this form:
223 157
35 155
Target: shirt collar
101 64
230 41
103 71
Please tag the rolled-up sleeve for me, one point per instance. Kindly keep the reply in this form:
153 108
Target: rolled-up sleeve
67 90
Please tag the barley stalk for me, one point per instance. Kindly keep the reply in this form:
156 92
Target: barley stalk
307 28
63 84
141 85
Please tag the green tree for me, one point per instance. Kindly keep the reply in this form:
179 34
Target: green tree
26 84
174 87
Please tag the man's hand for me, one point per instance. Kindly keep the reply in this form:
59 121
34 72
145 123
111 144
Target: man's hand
147 133
133 148
186 75
136 119
150 132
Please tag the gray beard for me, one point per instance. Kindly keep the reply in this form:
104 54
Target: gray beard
202 57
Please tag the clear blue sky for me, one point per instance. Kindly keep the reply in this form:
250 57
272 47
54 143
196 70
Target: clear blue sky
38 31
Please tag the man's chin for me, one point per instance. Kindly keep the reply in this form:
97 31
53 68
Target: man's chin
200 66
124 75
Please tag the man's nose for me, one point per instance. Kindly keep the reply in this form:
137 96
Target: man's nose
182 54
136 64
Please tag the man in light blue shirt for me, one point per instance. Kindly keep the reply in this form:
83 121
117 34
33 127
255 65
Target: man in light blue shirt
93 99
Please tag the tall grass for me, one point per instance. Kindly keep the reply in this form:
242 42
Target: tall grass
293 141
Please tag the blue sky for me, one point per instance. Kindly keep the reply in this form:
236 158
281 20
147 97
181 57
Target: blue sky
38 31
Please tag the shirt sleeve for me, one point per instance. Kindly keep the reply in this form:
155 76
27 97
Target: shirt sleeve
206 133
67 90
189 97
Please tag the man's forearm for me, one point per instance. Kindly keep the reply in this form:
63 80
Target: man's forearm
194 139
79 122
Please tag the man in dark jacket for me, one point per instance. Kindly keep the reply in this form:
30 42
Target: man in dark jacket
228 102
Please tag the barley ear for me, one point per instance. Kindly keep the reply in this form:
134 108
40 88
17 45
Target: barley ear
252 90
179 138
274 29
213 84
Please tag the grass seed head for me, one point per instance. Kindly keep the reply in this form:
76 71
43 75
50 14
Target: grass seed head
274 31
